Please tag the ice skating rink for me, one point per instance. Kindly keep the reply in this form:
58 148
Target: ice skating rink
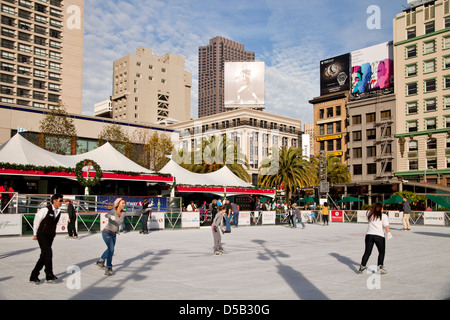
262 263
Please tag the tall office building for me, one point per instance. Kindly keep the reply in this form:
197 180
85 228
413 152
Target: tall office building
422 86
42 53
211 64
151 89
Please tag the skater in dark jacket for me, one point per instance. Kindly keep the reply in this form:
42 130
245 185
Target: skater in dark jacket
216 227
44 230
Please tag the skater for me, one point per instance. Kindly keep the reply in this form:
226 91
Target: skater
406 215
325 212
290 216
145 215
109 233
228 213
378 224
216 227
44 230
297 214
235 209
71 229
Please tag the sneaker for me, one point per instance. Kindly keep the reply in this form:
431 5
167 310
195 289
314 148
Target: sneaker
217 253
108 272
382 270
361 269
35 280
222 251
100 264
51 279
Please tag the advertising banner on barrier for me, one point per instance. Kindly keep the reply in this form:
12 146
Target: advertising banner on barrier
155 203
362 216
244 218
156 222
190 219
10 224
395 217
337 216
61 227
434 218
268 217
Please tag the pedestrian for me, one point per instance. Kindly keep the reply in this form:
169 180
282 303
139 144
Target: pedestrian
216 227
228 213
298 215
115 219
290 216
375 235
6 193
146 211
325 212
313 217
235 210
406 214
71 225
44 231
213 209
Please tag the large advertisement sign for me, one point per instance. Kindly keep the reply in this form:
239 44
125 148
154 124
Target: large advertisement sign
335 74
105 203
372 68
244 84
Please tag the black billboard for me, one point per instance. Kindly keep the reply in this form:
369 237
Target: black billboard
335 74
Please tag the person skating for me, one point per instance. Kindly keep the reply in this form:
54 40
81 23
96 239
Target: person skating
216 227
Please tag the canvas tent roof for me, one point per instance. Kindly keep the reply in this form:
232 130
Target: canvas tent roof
223 176
19 150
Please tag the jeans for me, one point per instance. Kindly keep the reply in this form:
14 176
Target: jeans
110 241
145 222
227 222
235 218
380 242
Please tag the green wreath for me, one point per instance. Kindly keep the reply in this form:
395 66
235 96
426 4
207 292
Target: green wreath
79 173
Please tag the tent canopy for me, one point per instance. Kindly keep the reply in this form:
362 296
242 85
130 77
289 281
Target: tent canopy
221 177
349 199
439 200
19 150
395 199
307 199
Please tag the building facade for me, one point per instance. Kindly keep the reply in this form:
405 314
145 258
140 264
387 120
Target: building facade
42 53
211 60
254 132
150 89
370 136
422 86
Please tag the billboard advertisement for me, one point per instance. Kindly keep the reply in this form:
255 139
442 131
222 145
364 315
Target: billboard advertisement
335 74
244 84
372 68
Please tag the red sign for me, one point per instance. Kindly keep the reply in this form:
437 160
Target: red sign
337 216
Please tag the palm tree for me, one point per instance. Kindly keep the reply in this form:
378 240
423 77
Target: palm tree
212 155
286 168
337 172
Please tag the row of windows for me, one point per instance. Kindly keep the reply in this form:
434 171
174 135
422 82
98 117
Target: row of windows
428 124
371 168
431 164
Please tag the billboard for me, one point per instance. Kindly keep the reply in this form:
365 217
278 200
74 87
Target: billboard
335 74
244 84
372 68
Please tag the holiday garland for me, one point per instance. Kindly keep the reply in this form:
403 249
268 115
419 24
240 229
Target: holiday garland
79 173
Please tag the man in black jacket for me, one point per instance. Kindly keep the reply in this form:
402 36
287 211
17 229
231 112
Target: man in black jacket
71 226
44 230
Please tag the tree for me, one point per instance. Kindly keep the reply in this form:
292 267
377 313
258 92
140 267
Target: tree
58 133
337 172
287 169
213 154
114 134
158 147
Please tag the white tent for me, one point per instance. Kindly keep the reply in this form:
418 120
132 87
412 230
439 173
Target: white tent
19 150
221 177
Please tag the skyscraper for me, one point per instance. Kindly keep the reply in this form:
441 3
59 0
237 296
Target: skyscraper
212 59
42 53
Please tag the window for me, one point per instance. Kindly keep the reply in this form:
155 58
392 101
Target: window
385 114
413 164
446 82
411 70
356 119
357 169
330 128
431 144
411 33
412 126
411 52
370 117
431 124
371 168
330 145
322 129
321 114
446 62
329 112
357 153
447 122
429 47
371 134
411 89
413 145
446 43
430 85
356 136
371 151
429 27
432 163
429 66
430 105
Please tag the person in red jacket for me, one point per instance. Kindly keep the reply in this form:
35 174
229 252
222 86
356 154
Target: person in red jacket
6 193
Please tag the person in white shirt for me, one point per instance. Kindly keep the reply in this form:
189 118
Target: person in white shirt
44 231
378 225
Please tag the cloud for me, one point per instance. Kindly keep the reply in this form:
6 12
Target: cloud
291 36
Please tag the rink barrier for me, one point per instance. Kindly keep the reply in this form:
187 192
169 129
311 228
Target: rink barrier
18 224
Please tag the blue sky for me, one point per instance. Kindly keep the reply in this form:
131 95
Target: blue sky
290 36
